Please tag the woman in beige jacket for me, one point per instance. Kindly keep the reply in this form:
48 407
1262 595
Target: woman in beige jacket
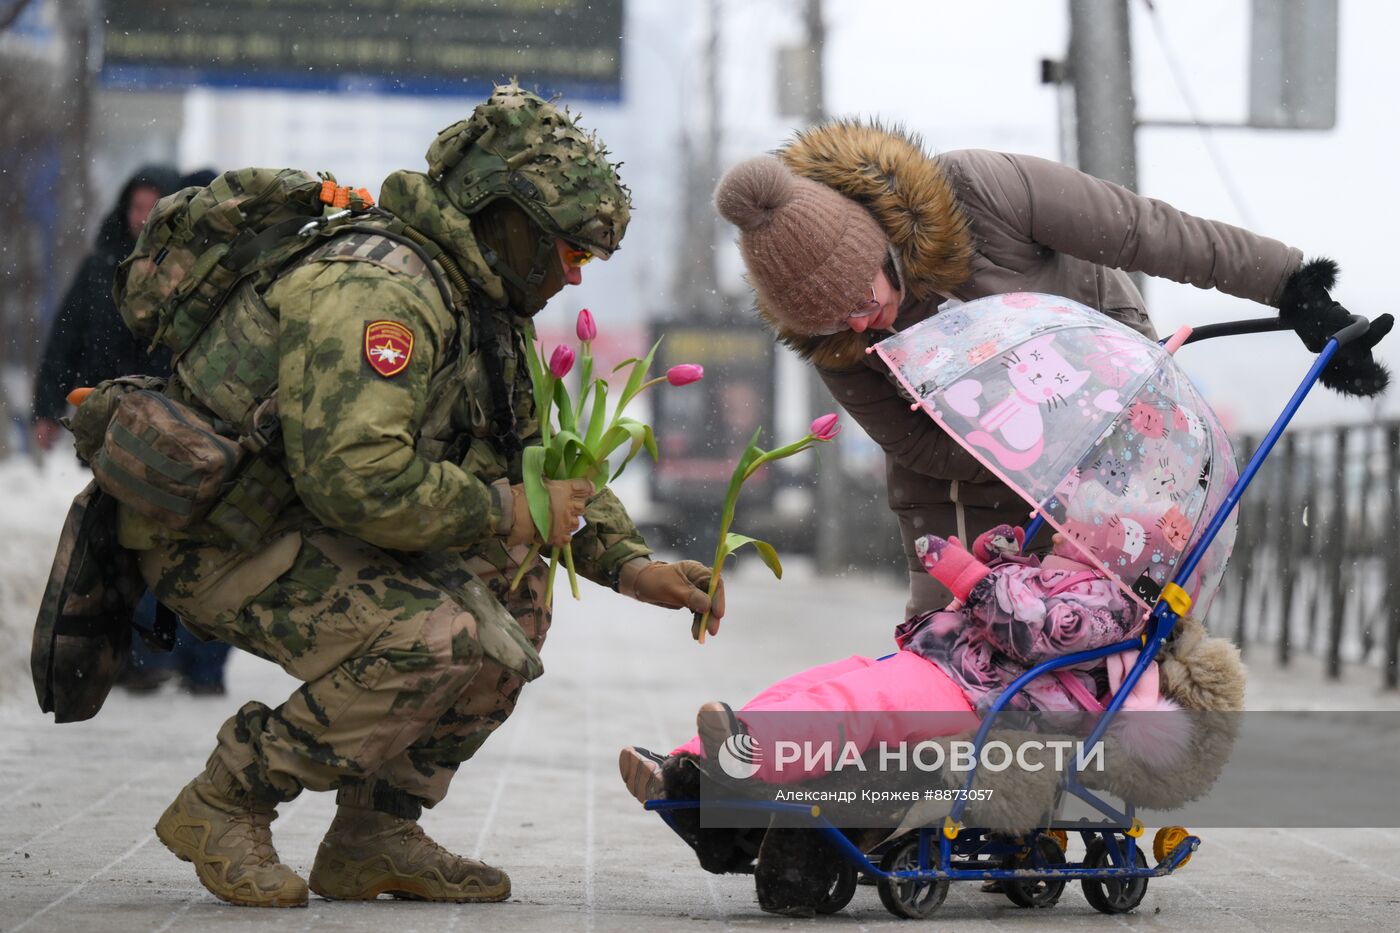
854 231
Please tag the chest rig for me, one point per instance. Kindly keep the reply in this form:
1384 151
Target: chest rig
479 404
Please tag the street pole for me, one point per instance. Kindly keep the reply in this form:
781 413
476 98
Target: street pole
1101 70
696 283
829 547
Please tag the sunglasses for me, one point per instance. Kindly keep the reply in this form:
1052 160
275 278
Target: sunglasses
576 257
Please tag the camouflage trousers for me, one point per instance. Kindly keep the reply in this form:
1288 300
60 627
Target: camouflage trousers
397 689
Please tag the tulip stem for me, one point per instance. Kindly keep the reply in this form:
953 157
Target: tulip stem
731 503
585 379
742 471
549 580
627 399
525 566
569 566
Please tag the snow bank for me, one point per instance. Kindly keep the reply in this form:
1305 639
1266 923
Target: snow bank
37 500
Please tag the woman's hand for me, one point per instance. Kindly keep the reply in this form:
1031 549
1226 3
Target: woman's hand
1307 306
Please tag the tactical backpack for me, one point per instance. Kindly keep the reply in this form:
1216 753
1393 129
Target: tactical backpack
199 447
194 284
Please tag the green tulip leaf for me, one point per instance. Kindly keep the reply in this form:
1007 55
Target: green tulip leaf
625 429
553 461
585 380
736 479
766 551
638 376
536 495
575 456
564 406
650 443
598 418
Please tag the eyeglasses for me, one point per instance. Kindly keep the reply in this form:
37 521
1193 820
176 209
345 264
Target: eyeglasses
868 308
576 257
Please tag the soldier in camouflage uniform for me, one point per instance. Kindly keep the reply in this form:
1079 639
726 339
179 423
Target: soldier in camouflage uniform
384 583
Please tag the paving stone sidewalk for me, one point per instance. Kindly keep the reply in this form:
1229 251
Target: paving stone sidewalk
543 799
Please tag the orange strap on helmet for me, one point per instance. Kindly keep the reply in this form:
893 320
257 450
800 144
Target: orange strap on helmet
341 197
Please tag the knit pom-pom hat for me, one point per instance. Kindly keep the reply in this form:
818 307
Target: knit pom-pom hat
811 253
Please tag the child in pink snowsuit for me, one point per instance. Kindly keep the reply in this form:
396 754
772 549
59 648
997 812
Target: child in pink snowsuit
1011 613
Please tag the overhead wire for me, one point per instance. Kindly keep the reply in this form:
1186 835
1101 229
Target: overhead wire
1178 73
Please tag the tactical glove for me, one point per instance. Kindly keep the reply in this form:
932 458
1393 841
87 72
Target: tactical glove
567 500
682 585
1307 306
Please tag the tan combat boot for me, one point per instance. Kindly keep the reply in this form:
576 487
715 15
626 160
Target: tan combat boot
367 853
229 840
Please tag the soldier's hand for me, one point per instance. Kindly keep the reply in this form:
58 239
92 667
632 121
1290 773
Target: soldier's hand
567 500
682 585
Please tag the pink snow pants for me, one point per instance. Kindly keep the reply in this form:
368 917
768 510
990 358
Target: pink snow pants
887 700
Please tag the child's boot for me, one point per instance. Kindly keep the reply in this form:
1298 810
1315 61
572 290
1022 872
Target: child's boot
716 723
367 853
641 772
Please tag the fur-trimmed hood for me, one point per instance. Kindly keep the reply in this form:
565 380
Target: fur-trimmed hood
887 170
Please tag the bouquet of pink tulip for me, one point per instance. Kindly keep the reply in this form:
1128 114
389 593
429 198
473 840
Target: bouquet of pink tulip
579 446
754 457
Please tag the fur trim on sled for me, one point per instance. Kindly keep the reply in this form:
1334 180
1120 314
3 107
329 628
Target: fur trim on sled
1201 674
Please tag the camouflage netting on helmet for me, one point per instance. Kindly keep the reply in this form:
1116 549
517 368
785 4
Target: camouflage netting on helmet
520 147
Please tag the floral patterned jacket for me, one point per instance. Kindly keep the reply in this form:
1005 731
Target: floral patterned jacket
1022 613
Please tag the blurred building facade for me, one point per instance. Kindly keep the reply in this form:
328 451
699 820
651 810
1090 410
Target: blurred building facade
702 86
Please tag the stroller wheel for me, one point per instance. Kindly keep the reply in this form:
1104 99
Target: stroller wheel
842 889
1041 892
906 897
1113 895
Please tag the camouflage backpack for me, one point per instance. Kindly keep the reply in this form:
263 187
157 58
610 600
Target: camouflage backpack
198 447
204 249
194 283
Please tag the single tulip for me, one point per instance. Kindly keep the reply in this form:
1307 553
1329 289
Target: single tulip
561 361
826 427
750 462
586 328
685 374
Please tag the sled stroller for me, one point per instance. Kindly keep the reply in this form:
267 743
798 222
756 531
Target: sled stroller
1122 428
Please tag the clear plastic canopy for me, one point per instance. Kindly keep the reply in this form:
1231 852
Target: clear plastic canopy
1090 422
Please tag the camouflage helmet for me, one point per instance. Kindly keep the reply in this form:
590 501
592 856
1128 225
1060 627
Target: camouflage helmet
520 147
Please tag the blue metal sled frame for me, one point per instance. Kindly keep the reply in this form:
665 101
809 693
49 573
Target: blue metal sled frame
946 852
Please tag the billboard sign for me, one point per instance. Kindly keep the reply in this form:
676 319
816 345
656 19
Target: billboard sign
459 47
703 429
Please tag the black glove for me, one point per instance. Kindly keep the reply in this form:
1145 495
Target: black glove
1307 306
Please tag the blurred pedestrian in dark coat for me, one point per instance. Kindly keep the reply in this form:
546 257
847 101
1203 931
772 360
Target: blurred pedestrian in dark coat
87 341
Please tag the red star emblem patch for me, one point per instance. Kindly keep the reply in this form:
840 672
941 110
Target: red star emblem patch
388 347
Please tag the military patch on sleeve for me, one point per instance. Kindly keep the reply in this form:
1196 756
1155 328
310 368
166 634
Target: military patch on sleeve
388 347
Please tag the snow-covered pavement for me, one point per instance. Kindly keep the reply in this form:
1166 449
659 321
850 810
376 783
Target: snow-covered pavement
543 800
